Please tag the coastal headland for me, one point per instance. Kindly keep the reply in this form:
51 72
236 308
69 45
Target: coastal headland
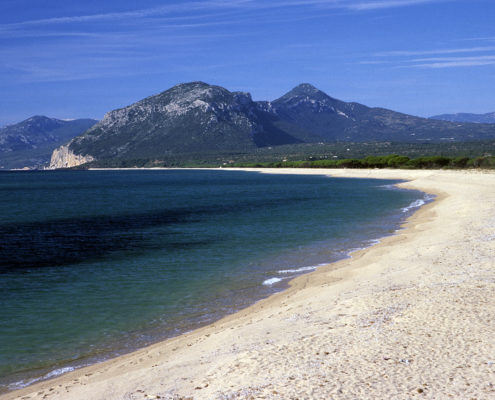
410 317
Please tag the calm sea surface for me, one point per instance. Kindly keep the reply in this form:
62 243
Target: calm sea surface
97 263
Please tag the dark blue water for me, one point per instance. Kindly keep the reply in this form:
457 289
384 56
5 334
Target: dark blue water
97 263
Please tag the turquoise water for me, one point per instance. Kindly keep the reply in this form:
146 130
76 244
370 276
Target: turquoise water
97 263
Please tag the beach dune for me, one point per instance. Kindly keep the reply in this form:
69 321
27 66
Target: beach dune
411 317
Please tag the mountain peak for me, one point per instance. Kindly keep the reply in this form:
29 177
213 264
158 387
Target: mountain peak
38 119
35 117
305 89
192 85
36 124
185 93
304 92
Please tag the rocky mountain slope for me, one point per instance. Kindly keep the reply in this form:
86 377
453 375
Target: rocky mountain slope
200 118
193 117
488 118
31 142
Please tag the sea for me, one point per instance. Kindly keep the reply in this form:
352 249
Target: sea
95 264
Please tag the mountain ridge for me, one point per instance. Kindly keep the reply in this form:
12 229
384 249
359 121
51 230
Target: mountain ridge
197 117
487 118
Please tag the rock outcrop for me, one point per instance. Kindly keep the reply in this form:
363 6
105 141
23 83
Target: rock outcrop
63 157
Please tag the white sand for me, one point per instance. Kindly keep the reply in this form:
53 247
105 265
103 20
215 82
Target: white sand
412 317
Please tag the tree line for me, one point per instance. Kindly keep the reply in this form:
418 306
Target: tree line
388 161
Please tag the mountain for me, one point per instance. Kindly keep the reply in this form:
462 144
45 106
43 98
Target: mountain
205 119
488 118
31 142
325 119
192 117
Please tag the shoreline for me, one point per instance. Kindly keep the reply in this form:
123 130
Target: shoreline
192 356
280 279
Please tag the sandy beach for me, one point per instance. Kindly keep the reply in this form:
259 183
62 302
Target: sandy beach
411 317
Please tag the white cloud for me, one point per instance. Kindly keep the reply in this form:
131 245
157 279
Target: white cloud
405 53
445 62
372 62
373 5
100 17
439 58
455 64
454 59
217 5
482 39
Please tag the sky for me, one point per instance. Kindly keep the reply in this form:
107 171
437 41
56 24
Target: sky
81 59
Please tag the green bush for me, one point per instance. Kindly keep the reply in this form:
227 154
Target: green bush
350 163
429 162
324 164
482 162
398 161
459 162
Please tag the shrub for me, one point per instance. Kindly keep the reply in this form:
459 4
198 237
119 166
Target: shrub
482 162
459 162
350 163
429 162
398 161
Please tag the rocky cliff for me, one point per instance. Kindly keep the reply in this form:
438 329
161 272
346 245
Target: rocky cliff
63 157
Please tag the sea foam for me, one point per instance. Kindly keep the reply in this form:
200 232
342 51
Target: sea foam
271 281
414 204
418 203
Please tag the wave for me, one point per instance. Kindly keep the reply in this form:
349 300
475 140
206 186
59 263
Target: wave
298 270
51 374
418 203
290 273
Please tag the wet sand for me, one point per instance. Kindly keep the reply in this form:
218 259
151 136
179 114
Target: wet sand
411 317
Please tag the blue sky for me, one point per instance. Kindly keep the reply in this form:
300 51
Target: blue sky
72 59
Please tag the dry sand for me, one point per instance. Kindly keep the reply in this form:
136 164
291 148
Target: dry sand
411 317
